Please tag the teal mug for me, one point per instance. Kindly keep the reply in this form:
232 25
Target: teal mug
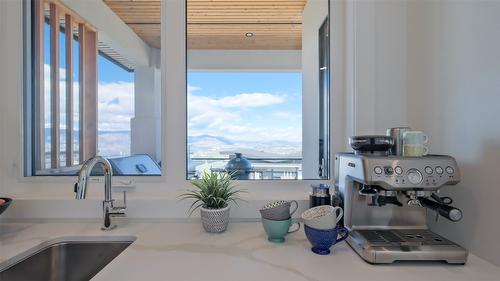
277 230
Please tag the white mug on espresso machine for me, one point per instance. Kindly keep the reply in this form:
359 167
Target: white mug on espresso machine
414 144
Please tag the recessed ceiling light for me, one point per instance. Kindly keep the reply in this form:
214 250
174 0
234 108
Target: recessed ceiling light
249 34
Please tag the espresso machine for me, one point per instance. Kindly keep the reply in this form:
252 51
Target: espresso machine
386 199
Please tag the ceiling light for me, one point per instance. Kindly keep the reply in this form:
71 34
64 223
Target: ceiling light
249 34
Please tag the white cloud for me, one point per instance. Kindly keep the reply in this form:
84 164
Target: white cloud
116 105
192 89
250 100
292 117
226 117
115 109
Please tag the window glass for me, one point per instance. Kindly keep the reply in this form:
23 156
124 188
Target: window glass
258 89
227 118
112 108
116 108
46 96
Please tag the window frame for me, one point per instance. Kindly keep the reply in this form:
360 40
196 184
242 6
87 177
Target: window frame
174 70
33 147
328 116
34 86
260 71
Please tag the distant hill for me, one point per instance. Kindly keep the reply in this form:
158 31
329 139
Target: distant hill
209 138
216 146
118 142
77 132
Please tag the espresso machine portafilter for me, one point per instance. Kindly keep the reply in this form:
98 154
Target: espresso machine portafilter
386 200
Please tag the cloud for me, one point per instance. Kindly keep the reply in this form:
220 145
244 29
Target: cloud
115 105
191 89
115 110
114 101
250 100
290 116
229 117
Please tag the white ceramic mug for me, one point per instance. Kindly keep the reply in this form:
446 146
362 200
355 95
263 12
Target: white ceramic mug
322 217
415 144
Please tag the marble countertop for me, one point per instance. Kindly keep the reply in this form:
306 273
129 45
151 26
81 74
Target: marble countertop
183 251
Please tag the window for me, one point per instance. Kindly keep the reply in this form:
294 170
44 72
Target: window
116 108
227 118
89 95
258 89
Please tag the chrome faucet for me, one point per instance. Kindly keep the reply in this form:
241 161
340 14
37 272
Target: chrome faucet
108 208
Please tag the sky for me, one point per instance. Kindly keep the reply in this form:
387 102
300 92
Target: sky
239 106
245 106
115 100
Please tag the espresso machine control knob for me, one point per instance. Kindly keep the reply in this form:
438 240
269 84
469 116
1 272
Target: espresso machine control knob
414 176
439 170
450 170
398 170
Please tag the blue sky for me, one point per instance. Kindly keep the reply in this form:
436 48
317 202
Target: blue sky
115 99
108 71
219 84
250 106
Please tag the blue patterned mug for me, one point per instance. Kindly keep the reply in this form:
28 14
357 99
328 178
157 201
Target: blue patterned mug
321 240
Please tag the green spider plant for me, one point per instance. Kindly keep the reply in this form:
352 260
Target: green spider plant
214 190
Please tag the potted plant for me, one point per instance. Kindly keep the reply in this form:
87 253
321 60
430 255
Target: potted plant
212 194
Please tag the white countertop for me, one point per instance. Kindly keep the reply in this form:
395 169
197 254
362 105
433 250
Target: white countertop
183 251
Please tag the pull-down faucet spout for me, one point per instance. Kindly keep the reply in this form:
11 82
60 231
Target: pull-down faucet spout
109 210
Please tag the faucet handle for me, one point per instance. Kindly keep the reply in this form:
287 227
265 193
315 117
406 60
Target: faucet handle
111 211
108 225
119 214
124 202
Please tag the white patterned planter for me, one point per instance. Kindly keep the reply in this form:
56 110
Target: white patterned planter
215 220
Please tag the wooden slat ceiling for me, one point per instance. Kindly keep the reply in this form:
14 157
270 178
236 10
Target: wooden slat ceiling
222 24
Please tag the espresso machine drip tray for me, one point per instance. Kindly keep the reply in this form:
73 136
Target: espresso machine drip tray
390 245
403 237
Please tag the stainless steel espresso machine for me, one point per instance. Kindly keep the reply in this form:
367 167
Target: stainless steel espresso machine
386 199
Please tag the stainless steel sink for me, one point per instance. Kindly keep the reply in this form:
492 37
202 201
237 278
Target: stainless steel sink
67 259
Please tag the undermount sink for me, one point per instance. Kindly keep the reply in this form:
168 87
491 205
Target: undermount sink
64 259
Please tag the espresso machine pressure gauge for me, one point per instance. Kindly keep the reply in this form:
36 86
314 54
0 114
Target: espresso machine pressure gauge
414 176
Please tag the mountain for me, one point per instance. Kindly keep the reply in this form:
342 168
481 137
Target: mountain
208 138
208 145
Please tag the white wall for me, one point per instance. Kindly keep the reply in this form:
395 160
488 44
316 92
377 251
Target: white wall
145 126
376 65
6 58
10 91
454 95
435 66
